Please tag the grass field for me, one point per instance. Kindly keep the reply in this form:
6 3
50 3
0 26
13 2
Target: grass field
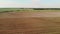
30 22
24 10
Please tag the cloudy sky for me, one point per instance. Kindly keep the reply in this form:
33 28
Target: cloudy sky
30 3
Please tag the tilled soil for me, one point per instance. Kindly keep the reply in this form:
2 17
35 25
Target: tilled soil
24 23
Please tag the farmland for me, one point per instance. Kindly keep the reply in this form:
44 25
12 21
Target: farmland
29 21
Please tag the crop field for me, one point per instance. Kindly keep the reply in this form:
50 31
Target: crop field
18 21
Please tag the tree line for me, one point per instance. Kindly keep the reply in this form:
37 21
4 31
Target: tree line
46 8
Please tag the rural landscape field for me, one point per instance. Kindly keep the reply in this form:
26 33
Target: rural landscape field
29 21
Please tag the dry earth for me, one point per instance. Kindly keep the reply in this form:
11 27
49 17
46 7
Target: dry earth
30 23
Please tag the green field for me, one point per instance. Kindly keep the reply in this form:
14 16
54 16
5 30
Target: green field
24 10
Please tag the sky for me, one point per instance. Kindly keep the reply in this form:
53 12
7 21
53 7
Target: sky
29 3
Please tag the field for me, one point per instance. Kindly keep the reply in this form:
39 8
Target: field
30 22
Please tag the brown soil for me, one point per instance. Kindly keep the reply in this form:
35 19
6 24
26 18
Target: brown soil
24 23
